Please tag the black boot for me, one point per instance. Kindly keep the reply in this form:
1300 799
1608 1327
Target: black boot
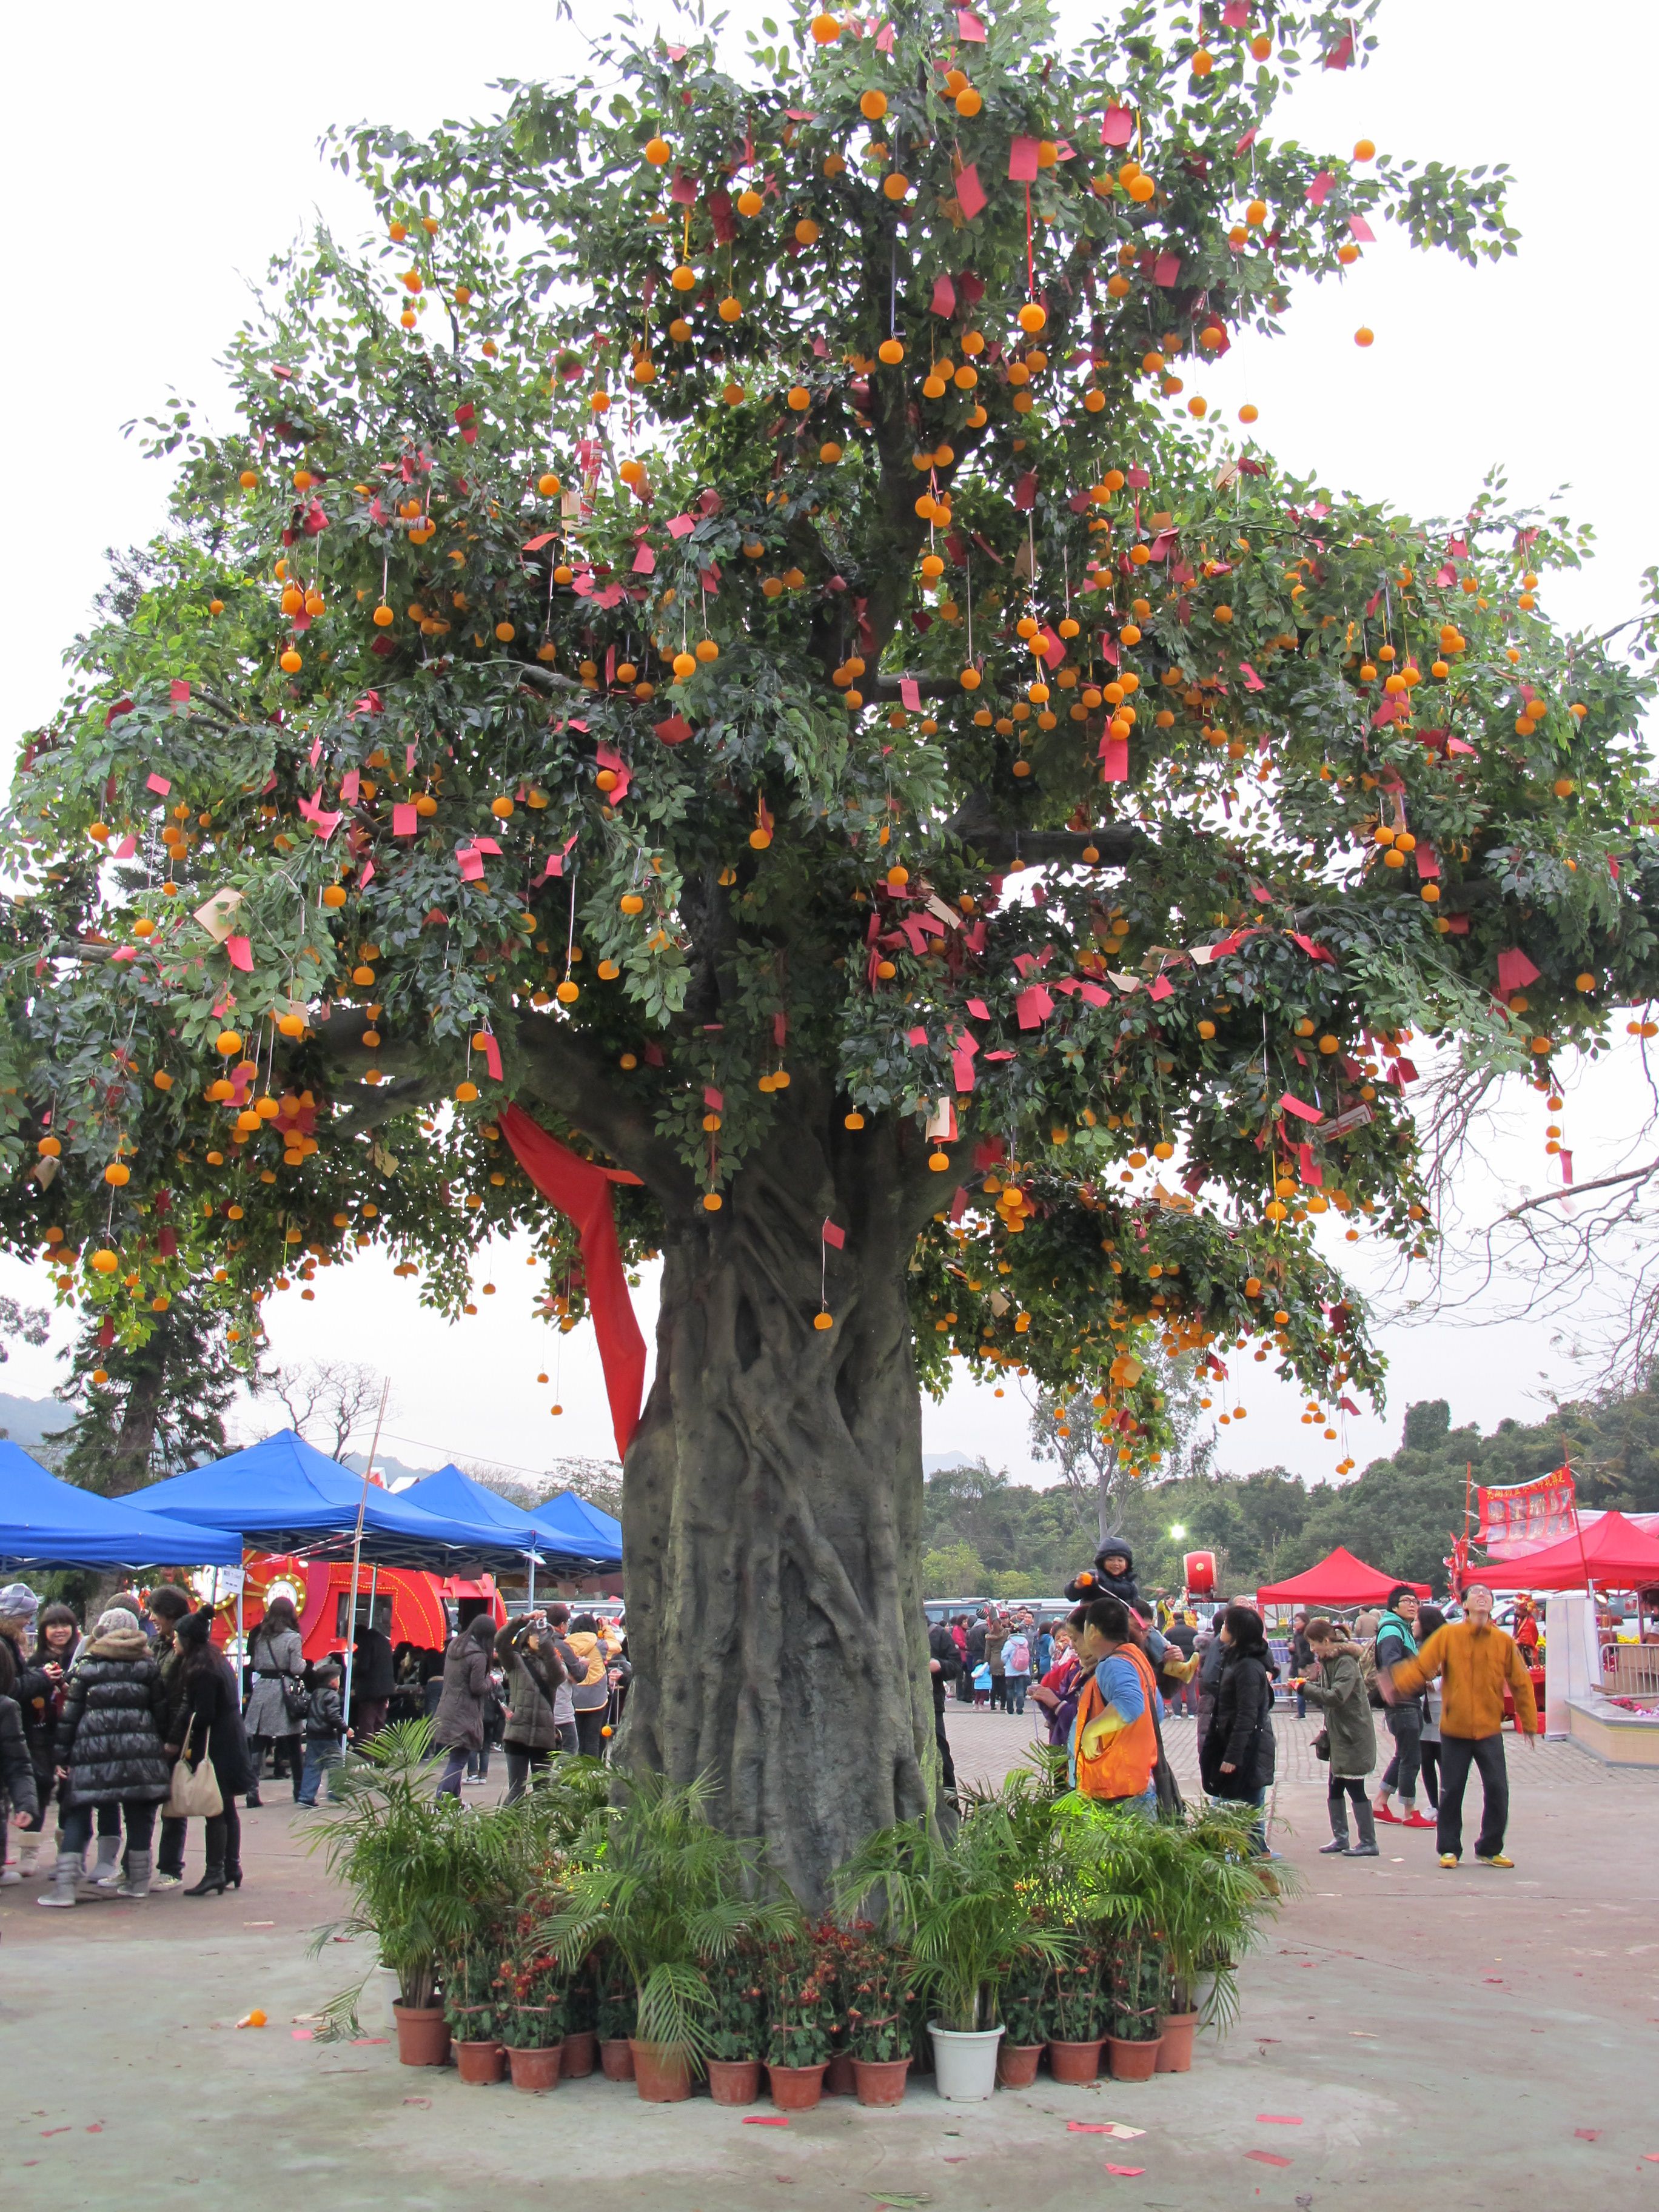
212 1883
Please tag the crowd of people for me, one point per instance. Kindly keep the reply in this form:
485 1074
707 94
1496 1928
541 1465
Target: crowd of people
141 1723
1105 1679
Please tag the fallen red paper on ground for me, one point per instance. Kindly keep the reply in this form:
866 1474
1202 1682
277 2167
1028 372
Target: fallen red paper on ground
1588 2135
1125 2169
303 2035
1278 2119
1266 2158
424 2102
765 2120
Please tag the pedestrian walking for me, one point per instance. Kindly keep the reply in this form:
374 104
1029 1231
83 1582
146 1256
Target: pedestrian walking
108 1750
1430 1620
1238 1760
1042 1657
212 1709
19 1798
1396 1640
590 1681
1015 1670
324 1729
1302 1661
1473 1660
996 1639
540 1717
1210 1653
372 1681
38 1683
276 1704
1336 1685
167 1605
494 1723
944 1665
458 1725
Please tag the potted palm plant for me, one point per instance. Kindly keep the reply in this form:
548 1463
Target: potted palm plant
663 1890
1208 1906
970 1912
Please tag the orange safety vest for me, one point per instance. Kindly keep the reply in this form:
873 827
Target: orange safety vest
1123 1767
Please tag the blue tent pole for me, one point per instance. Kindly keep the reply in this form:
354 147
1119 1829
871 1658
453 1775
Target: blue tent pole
357 1550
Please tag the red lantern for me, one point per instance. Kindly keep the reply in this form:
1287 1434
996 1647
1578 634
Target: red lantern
1199 1568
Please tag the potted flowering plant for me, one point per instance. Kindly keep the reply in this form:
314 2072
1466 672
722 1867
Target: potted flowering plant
1138 1972
876 1981
1024 2020
799 2011
1077 2016
737 2024
534 2017
473 2009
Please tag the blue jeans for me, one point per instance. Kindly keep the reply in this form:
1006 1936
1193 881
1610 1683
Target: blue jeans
1016 1691
456 1758
322 1755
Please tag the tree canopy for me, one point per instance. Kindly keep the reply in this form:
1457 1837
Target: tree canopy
732 619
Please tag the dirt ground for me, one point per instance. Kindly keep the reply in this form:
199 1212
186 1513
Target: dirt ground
1465 2040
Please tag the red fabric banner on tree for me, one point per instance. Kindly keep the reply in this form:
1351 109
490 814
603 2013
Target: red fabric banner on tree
581 1192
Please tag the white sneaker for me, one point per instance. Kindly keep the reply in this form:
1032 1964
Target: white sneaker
8 1875
167 1882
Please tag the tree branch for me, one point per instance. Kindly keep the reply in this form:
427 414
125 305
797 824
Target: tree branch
564 1072
1581 1189
975 824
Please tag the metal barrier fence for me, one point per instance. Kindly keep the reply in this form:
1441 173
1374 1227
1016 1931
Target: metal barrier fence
1630 1670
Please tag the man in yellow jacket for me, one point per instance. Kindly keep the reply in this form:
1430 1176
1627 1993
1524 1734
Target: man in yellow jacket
1473 1660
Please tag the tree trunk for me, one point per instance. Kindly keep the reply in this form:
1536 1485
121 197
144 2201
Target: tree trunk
772 1506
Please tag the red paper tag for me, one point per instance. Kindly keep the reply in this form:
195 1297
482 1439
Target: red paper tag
1022 161
971 193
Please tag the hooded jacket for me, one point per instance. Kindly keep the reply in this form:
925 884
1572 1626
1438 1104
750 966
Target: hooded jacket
590 1684
1097 1583
1241 1732
210 1717
1339 1691
109 1734
532 1695
458 1725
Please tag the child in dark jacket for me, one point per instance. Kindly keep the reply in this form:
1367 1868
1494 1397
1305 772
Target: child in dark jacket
16 1768
325 1725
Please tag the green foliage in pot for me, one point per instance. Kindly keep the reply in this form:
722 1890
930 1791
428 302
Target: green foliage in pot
966 1909
875 1980
652 1878
736 2021
1025 2003
472 2001
1136 1972
1077 1998
531 1984
800 1999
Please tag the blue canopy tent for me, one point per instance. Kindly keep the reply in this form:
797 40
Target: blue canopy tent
284 1495
46 1523
570 1524
453 1494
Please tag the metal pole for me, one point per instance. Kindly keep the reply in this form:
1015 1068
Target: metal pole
532 1581
240 1585
357 1549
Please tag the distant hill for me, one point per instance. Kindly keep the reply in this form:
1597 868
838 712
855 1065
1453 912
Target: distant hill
30 1421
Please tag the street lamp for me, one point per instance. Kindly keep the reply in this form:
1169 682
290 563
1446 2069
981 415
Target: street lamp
1177 1528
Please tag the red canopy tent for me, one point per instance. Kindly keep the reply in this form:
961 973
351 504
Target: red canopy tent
1609 1550
1340 1579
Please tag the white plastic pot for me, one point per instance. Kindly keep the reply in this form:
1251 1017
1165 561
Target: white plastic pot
964 2065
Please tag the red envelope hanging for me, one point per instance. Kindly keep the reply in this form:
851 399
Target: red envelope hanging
1022 161
971 193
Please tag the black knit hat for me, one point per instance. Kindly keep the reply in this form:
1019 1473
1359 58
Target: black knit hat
196 1627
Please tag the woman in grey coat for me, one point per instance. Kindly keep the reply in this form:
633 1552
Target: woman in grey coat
458 1725
277 1656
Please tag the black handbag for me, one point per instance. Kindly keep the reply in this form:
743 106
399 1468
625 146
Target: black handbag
1321 1744
296 1698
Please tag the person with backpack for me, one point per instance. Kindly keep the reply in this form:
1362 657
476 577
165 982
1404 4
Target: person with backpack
1016 1668
1337 1688
1396 1641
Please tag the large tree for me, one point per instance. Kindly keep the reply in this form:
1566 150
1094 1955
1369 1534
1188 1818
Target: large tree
735 612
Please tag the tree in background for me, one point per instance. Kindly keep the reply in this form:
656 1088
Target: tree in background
336 1398
953 1570
148 1404
21 1324
731 627
1064 1431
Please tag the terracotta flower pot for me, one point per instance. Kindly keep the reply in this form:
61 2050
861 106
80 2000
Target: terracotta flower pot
423 2034
617 2056
840 2082
581 2054
538 2069
1017 2064
1074 2062
662 2071
734 2080
1175 2050
880 2081
485 2061
796 2088
1132 2061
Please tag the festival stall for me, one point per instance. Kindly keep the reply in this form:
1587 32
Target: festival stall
1340 1583
407 1606
46 1524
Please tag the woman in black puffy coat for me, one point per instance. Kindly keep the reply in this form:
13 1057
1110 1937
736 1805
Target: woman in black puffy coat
110 1750
1238 1759
211 1728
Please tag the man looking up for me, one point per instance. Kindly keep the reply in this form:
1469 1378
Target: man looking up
1473 1661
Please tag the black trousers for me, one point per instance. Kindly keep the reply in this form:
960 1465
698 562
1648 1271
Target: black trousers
1404 1725
946 1762
1457 1754
1431 1775
590 1738
223 1840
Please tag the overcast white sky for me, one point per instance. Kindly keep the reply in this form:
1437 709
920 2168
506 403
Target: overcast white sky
154 159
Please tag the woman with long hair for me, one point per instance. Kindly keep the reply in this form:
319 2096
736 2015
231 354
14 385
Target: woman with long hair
278 1661
40 1696
211 1729
1238 1760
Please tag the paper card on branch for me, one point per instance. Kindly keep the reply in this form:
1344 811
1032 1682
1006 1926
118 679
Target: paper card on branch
712 1099
159 784
971 193
910 694
1290 1103
682 526
1117 126
492 1053
1022 161
970 29
942 1122
915 1036
1360 231
1320 191
126 848
645 562
471 867
1515 971
978 1010
1162 988
241 954
832 1234
944 302
215 917
1115 760
1252 681
1033 1007
405 822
